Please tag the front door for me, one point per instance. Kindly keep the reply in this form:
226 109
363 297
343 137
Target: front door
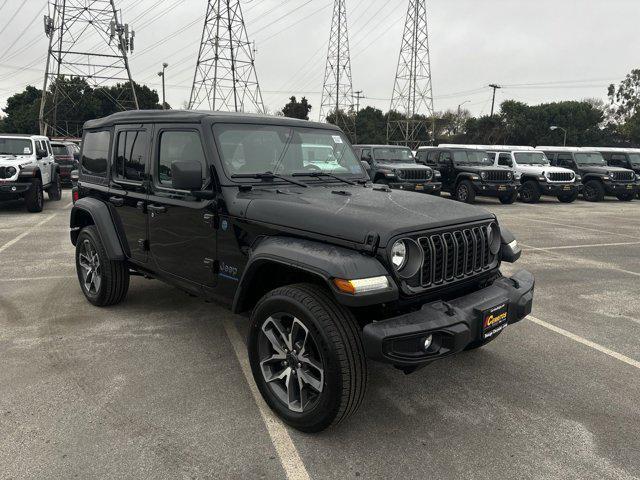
45 162
128 189
182 232
445 165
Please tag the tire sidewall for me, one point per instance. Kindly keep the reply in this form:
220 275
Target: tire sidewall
597 191
529 192
90 234
35 196
466 185
55 193
328 405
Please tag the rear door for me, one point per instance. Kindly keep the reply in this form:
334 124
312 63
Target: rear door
182 231
445 165
46 162
128 190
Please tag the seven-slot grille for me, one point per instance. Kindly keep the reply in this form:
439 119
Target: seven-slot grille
623 176
420 174
455 255
560 176
498 176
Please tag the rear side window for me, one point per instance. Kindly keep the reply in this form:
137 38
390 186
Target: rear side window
59 149
131 155
179 145
95 151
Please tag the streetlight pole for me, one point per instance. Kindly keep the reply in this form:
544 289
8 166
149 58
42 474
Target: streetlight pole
161 74
555 127
460 114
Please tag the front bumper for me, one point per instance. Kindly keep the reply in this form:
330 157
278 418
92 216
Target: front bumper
452 325
11 189
433 188
494 189
614 188
555 189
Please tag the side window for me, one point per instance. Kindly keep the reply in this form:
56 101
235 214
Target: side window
618 160
445 158
551 157
41 146
95 151
131 155
504 159
48 144
422 155
179 145
366 154
431 158
565 160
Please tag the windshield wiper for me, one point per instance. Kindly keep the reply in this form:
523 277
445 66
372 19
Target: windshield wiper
323 174
269 175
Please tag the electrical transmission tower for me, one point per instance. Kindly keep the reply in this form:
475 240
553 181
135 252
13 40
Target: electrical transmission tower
412 97
88 45
225 78
337 91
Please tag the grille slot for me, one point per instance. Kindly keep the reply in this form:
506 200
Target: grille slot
623 176
498 176
560 176
455 255
415 174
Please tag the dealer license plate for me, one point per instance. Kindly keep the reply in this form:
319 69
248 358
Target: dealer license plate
629 187
419 187
567 187
494 320
502 188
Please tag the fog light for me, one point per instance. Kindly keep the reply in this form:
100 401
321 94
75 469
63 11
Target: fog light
427 342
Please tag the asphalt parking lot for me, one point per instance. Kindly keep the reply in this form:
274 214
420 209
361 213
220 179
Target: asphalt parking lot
156 387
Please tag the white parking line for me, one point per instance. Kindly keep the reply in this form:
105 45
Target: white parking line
25 233
584 341
580 228
289 456
35 279
570 247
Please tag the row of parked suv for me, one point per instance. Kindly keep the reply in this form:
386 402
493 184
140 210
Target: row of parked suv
506 172
33 164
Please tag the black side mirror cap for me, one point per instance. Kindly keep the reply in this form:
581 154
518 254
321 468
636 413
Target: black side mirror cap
40 153
510 251
186 175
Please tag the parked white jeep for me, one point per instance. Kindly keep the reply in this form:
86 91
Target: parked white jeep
27 170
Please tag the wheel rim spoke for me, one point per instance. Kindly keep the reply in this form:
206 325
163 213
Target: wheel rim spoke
294 393
275 333
298 336
310 380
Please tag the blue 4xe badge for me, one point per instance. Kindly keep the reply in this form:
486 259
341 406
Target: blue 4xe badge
224 224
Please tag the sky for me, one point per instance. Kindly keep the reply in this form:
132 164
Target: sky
539 50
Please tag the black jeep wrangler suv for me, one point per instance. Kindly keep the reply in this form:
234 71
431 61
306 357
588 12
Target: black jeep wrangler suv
598 178
468 172
332 269
396 167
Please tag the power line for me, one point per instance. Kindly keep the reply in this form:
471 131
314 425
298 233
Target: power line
15 14
18 37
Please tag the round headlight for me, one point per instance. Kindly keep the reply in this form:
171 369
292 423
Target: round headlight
509 175
399 254
11 171
483 175
493 233
612 175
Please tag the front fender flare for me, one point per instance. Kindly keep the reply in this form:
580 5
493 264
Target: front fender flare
324 261
101 217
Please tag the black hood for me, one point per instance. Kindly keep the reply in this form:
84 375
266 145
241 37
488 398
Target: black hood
401 165
601 170
478 168
351 213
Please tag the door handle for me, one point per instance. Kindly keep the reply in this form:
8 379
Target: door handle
156 209
116 201
140 205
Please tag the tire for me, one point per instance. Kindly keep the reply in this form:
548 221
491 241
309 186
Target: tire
593 191
530 192
508 199
626 197
569 198
465 192
55 189
35 196
112 276
332 340
481 343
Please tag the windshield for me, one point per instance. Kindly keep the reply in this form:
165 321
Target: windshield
593 158
472 157
15 146
249 149
531 158
59 149
634 158
393 155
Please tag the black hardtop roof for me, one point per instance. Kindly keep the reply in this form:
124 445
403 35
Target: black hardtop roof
197 116
373 145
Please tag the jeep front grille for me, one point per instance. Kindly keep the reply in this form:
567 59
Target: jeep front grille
623 176
455 255
560 176
499 176
415 174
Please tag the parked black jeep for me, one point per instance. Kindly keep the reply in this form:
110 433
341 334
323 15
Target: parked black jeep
598 178
467 173
396 167
628 158
331 268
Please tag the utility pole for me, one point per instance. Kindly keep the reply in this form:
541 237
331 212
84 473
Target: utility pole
413 91
225 78
493 102
358 96
73 58
337 89
162 74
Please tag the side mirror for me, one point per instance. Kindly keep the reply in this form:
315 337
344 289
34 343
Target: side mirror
74 175
40 153
366 165
186 175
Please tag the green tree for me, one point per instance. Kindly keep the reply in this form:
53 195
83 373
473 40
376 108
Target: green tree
295 109
371 125
22 112
624 99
